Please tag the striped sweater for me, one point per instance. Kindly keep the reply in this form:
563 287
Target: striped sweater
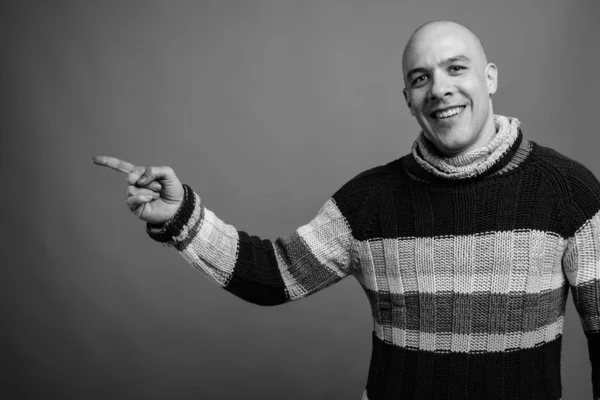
466 262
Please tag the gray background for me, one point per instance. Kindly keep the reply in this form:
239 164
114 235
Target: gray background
265 108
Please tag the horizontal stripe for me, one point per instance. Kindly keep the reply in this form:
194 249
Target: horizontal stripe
317 254
256 276
493 313
329 238
582 258
497 262
529 200
211 245
587 301
399 373
473 342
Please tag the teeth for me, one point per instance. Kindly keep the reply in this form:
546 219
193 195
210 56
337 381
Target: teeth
448 113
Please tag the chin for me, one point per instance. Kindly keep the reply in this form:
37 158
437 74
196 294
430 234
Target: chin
454 147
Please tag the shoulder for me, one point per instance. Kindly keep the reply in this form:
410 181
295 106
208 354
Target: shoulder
574 172
362 189
580 183
555 159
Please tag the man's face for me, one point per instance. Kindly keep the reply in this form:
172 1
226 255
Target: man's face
448 88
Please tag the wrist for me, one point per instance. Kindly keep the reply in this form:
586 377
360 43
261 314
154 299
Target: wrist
166 231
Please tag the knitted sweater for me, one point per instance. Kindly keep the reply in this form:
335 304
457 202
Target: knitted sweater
466 262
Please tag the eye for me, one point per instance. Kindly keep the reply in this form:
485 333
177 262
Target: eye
419 80
457 68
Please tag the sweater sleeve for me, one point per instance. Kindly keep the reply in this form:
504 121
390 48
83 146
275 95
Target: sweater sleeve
260 271
582 260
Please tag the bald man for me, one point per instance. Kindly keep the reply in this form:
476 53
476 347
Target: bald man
466 247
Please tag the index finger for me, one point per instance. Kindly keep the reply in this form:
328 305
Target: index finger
113 163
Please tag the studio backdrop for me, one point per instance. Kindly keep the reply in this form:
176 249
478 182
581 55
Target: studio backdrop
265 108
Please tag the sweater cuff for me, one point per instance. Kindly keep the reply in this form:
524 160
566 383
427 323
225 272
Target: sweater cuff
173 227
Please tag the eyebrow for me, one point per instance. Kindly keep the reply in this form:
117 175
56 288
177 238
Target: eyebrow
460 57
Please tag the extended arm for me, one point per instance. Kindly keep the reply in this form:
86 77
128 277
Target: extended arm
260 271
315 256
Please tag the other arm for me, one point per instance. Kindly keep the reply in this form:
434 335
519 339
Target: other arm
582 261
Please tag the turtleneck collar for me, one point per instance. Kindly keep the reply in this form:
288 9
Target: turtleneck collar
473 163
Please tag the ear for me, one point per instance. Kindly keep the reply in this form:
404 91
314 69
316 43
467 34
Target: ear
408 103
491 75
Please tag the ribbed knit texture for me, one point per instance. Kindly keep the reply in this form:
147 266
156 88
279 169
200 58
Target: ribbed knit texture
470 164
466 262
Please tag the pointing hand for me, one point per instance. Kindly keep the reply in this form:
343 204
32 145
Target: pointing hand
154 194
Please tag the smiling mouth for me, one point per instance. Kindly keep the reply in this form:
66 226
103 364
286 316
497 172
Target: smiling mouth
450 112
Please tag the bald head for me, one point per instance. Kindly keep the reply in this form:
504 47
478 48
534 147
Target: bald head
449 86
432 33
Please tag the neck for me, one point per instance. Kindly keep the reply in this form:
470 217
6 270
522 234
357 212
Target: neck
471 163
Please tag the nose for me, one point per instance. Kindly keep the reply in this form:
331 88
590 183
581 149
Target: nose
441 87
